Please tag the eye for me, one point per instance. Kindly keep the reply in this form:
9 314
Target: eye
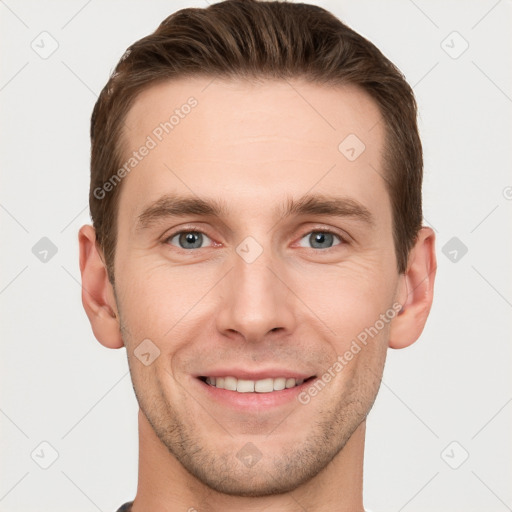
320 239
188 239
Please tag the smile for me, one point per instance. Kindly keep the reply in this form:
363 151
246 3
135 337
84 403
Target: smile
267 385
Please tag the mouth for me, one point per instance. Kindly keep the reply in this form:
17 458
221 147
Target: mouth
265 385
252 391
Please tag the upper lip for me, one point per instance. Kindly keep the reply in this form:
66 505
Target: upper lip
246 374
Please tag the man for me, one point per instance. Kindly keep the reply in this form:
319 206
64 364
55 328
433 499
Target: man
257 246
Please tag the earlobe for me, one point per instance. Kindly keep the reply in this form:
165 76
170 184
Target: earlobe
97 292
416 291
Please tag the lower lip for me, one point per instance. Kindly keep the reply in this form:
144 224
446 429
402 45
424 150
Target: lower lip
253 401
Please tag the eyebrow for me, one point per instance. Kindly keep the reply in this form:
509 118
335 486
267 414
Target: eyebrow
171 205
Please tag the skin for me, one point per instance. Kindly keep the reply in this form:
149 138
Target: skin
296 306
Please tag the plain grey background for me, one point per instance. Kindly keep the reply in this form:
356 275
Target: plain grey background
438 437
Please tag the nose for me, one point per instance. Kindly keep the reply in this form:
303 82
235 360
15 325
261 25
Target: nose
255 300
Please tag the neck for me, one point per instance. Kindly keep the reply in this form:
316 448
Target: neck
165 485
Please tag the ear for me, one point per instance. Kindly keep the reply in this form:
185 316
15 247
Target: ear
415 291
98 296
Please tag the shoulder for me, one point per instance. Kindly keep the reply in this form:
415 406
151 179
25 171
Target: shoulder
127 507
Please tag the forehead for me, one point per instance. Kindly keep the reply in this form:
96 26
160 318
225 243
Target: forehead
326 112
209 136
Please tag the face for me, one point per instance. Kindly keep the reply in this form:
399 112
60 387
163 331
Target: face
270 280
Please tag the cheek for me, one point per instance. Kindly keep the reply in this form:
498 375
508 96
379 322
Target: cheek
347 298
156 298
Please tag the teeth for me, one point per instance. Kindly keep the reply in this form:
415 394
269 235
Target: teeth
280 383
290 383
264 386
251 386
229 383
245 386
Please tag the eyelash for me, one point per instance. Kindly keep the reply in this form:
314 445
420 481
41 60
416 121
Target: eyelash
343 240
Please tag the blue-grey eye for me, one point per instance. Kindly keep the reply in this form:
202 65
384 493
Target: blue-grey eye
189 239
320 239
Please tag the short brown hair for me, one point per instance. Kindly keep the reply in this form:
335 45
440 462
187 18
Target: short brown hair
244 39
